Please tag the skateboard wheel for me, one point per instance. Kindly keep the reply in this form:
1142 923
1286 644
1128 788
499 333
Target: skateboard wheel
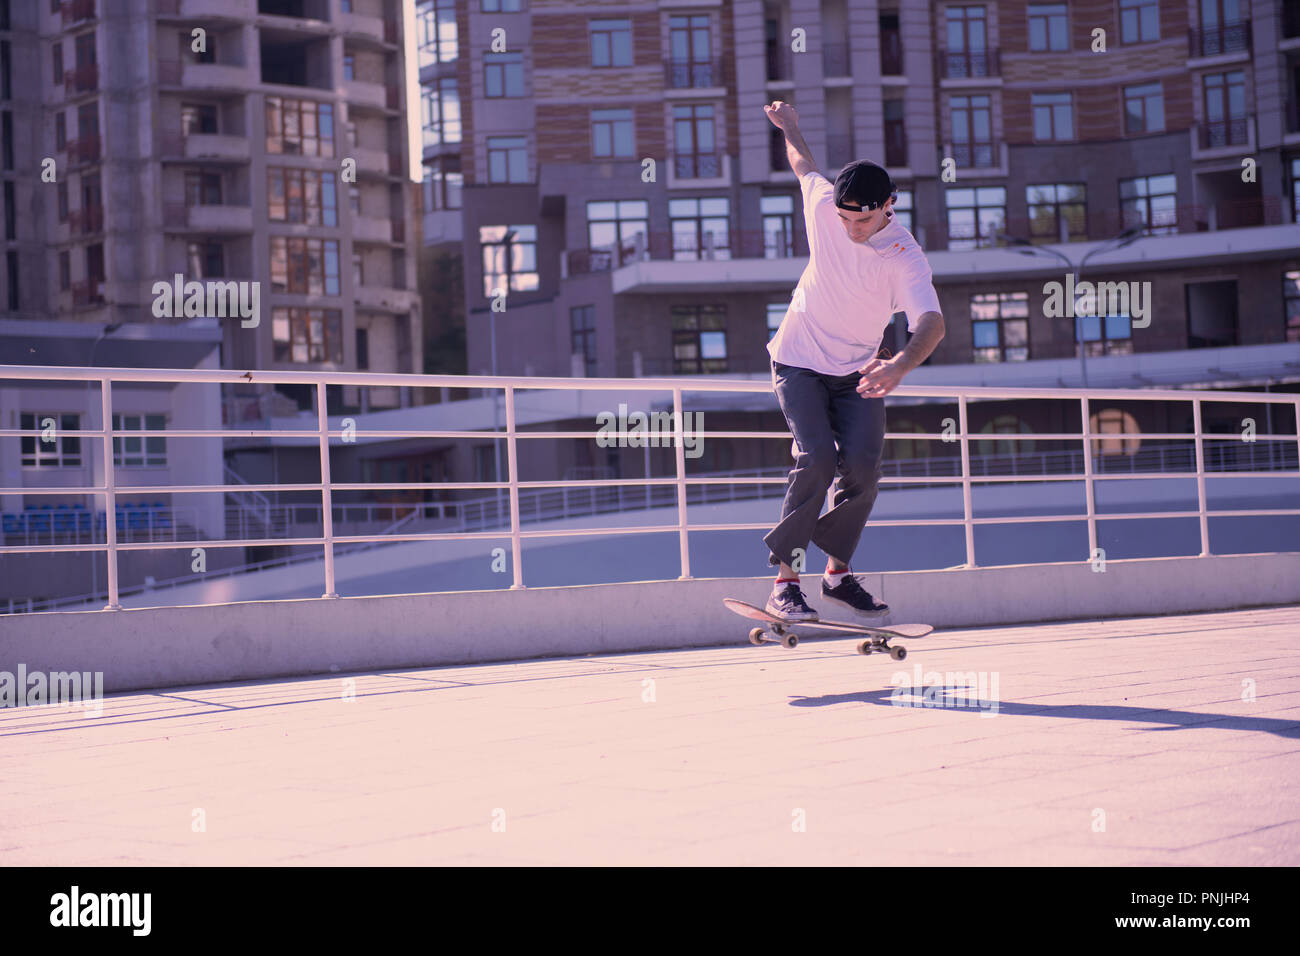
864 647
898 653
789 641
756 636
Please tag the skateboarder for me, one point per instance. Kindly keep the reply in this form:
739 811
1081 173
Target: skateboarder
863 266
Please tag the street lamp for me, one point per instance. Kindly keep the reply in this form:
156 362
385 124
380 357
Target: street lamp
1027 248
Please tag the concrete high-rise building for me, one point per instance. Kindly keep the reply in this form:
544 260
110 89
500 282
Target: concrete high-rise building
610 168
249 141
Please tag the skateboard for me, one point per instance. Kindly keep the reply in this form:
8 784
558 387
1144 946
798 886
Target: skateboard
878 637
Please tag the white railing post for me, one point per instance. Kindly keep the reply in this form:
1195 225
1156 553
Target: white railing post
683 542
512 463
965 482
326 500
110 492
1089 487
1200 479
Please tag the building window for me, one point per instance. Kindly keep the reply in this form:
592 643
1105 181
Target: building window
699 339
1050 205
349 66
130 451
502 6
485 458
443 182
202 189
1291 304
1053 117
65 271
1149 201
206 259
1144 109
902 209
441 122
11 266
363 348
56 53
1103 334
202 118
307 335
509 258
1295 189
503 74
1048 30
301 195
700 228
60 131
582 328
507 159
50 449
1000 326
689 52
775 313
611 42
972 130
299 127
975 216
617 231
11 210
778 226
435 31
61 196
1008 424
967 43
611 134
1139 21
1225 109
300 265
7 134
696 155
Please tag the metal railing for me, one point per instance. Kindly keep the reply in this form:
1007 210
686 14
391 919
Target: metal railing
329 541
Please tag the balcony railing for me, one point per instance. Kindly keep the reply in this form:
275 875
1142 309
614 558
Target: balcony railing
666 246
86 221
82 79
835 58
969 64
115 483
87 292
1212 41
692 74
1234 131
74 11
697 165
975 155
83 151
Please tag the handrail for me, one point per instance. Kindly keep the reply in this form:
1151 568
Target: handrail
676 387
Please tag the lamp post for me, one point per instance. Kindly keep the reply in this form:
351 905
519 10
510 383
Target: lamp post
1127 237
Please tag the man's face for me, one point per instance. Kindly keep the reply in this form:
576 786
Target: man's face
860 225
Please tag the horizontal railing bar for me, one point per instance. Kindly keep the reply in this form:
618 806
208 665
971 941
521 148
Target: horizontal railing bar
686 383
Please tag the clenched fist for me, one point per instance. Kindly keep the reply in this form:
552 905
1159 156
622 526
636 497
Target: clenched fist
782 115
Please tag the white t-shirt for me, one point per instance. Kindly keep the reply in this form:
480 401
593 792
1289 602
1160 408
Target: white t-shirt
849 290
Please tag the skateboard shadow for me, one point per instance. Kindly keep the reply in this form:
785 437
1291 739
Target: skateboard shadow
940 697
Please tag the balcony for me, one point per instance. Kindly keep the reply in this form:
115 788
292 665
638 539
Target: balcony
370 162
442 225
666 246
371 229
208 218
216 76
1243 213
383 298
697 165
87 293
83 79
1221 40
363 95
693 74
206 9
87 221
75 11
1213 140
84 151
206 146
969 64
835 58
358 26
975 155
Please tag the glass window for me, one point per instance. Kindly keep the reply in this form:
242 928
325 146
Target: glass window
611 42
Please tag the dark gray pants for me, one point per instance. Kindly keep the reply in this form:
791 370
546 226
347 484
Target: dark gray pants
824 411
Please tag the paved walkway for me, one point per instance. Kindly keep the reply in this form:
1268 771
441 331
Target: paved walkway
1111 742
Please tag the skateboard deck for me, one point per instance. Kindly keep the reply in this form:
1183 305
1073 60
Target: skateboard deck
781 631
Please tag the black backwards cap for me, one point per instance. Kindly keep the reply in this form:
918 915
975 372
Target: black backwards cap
863 181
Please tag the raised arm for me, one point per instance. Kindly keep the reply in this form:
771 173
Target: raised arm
784 118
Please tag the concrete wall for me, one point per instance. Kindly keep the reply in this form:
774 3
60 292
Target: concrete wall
167 647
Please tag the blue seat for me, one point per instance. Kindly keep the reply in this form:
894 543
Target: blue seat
63 519
38 519
82 517
13 523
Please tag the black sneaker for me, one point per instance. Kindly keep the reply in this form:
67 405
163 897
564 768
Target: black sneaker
789 604
851 595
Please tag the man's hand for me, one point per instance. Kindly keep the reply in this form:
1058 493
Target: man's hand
880 377
782 115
